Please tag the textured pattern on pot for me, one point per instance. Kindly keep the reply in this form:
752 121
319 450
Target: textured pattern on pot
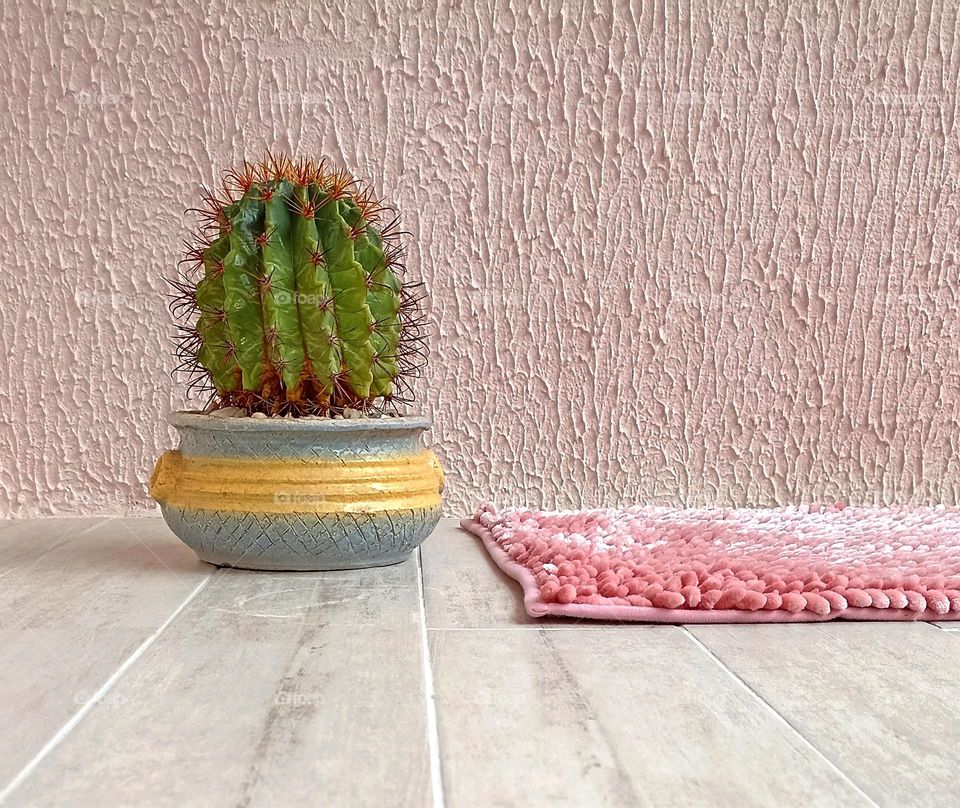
303 494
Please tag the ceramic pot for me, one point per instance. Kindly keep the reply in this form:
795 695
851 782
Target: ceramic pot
301 494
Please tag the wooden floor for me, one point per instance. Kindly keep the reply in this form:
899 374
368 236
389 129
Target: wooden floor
132 674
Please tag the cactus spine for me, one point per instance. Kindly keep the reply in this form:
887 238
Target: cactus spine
292 300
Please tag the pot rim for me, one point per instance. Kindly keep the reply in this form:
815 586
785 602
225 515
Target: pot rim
199 420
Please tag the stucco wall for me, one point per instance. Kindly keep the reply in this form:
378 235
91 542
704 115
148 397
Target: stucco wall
696 256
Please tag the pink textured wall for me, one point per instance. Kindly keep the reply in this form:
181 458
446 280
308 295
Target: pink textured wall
696 256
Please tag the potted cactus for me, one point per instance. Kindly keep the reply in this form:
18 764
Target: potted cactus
296 317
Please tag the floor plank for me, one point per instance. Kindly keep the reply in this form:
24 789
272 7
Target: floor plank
612 718
23 542
77 597
878 699
268 689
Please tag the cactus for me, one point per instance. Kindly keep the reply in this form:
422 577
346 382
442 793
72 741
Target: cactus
291 300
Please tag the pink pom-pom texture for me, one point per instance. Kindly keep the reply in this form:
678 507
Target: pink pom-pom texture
713 565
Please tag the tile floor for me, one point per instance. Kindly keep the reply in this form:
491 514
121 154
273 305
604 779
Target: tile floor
132 674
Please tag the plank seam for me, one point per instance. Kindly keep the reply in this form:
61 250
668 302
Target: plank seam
433 735
98 696
73 537
783 719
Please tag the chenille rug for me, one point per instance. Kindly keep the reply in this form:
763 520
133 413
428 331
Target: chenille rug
721 565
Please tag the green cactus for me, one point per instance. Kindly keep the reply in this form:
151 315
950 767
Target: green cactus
292 299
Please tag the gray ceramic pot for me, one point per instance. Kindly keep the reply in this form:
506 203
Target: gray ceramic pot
302 494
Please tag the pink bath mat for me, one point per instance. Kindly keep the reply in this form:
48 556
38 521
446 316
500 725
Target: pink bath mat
717 565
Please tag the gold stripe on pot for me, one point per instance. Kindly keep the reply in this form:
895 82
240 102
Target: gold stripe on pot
298 486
